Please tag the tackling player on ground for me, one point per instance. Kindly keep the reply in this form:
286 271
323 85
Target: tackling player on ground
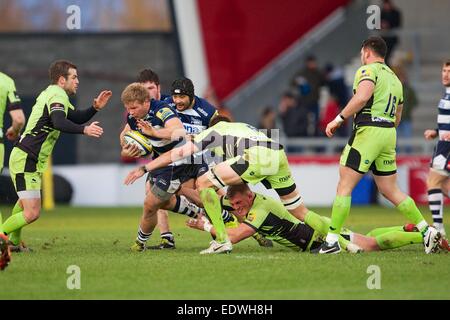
247 156
260 213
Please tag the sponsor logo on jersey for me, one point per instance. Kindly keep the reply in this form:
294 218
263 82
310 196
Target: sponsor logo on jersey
284 179
203 112
164 114
378 119
365 73
388 162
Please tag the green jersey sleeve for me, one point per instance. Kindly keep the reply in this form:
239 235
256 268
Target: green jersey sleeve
255 217
58 100
13 97
366 72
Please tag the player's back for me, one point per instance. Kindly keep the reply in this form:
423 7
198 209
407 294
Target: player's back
238 130
270 217
380 110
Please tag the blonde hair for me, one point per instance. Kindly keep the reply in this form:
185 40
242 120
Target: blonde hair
135 92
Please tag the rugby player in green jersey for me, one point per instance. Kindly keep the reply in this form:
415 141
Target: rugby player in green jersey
53 113
9 101
244 154
376 106
263 214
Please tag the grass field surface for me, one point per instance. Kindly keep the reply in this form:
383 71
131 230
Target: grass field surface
97 240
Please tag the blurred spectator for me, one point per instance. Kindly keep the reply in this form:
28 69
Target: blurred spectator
410 102
335 82
211 97
329 112
308 82
391 19
339 96
293 117
267 121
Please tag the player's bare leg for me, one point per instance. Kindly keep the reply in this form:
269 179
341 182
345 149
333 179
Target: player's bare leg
148 222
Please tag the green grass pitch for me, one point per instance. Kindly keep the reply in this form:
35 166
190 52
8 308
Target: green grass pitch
97 240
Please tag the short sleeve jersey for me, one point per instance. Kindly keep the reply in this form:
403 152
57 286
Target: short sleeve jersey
40 136
9 100
380 110
197 118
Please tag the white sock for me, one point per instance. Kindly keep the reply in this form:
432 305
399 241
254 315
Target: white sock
332 238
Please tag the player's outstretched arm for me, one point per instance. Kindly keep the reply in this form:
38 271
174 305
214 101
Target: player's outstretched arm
93 130
102 100
83 116
162 161
235 235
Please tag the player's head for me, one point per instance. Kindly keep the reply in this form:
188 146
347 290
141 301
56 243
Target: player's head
150 80
241 198
183 93
373 48
446 73
136 100
64 74
218 119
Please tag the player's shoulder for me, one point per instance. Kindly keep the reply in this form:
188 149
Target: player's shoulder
162 110
4 78
368 70
56 92
203 107
166 97
157 105
262 202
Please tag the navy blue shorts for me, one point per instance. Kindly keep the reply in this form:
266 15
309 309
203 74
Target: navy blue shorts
170 178
440 159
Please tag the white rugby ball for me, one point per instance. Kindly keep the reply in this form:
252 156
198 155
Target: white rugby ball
138 139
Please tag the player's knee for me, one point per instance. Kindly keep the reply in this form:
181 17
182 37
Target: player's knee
203 182
293 202
159 193
434 180
32 215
